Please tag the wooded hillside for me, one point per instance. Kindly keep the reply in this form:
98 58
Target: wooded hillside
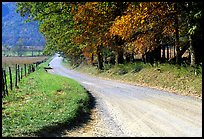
15 29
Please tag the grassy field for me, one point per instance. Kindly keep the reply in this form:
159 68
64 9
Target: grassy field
42 103
180 80
10 61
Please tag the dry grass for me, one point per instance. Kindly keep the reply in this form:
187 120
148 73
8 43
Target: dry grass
166 77
7 61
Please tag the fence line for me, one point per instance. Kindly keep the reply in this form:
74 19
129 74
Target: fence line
18 76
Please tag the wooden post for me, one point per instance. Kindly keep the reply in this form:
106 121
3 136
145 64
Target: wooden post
10 74
33 68
6 88
25 69
16 76
3 84
19 73
29 69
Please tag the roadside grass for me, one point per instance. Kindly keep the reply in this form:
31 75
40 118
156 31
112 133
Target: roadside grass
21 61
42 100
176 79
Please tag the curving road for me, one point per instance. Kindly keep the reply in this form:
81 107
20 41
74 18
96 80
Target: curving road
129 110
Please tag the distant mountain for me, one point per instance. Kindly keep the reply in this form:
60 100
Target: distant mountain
14 28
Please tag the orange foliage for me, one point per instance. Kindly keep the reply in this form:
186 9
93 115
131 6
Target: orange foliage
92 20
149 18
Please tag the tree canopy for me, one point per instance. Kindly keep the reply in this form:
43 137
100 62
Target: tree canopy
98 31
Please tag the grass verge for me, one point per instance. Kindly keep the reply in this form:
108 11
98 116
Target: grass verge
179 80
42 100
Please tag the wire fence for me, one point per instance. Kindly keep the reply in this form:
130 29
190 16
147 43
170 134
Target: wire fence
11 76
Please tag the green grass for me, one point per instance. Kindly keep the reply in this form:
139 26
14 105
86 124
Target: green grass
176 79
43 100
12 65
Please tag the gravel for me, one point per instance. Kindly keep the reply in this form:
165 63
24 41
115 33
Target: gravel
125 110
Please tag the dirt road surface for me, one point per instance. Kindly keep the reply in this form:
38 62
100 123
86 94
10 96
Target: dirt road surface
131 111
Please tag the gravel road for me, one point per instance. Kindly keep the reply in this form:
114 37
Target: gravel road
133 111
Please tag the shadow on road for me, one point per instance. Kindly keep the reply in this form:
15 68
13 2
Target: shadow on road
80 121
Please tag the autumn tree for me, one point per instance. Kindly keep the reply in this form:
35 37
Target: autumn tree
141 26
94 31
94 20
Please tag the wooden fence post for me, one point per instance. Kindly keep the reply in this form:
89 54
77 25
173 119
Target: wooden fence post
10 74
36 65
3 83
33 67
6 88
28 68
19 74
25 68
16 76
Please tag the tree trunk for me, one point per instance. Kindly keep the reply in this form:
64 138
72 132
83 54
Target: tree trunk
119 57
100 59
170 55
92 59
149 58
178 61
181 52
192 49
167 50
112 59
128 57
157 53
143 58
163 53
132 57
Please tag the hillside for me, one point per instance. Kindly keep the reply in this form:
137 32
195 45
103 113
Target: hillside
14 28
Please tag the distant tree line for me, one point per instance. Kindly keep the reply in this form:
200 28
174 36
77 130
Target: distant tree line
20 50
